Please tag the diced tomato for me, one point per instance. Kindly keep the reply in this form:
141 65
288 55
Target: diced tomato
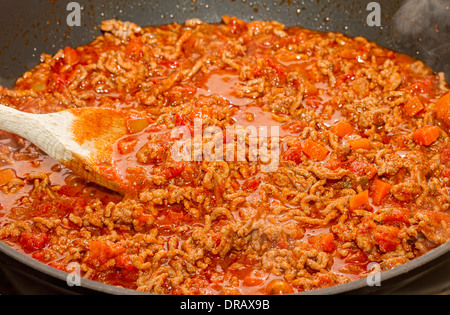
397 215
361 168
438 217
293 154
79 206
313 102
70 190
136 177
446 172
422 86
277 67
182 120
155 128
60 207
269 68
123 261
127 145
174 171
134 48
333 164
59 79
387 238
251 184
445 156
33 241
348 53
324 242
171 218
309 89
61 265
356 257
295 126
100 252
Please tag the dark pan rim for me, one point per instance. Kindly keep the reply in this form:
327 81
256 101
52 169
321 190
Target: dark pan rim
402 271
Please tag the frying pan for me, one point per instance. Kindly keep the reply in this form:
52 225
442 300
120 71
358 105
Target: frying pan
420 28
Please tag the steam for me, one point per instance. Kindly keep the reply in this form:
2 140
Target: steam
418 16
425 25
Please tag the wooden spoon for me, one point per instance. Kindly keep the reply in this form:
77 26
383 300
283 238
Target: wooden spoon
80 139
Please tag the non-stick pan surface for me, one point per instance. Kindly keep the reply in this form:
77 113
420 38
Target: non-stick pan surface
420 28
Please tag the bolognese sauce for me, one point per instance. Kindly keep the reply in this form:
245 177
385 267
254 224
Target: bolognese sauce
363 170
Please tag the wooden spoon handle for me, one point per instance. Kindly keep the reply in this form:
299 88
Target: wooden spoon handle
14 121
49 132
53 134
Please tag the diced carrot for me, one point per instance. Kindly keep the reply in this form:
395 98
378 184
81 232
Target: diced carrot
413 106
362 143
360 201
315 150
341 129
426 135
6 176
379 190
443 109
